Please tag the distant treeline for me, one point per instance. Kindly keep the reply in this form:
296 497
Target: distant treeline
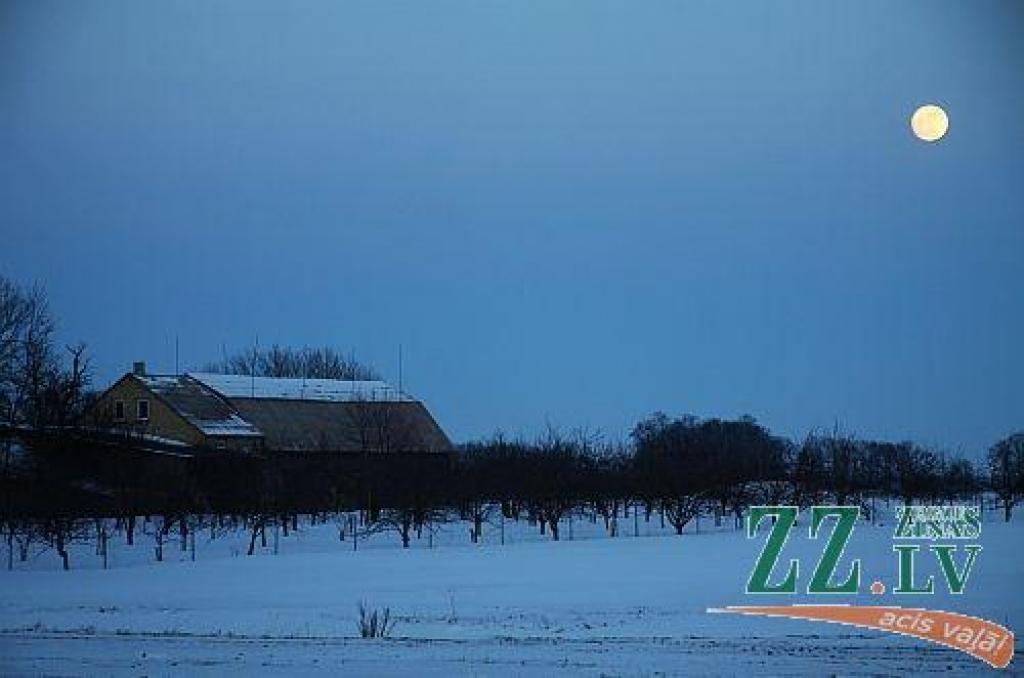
287 362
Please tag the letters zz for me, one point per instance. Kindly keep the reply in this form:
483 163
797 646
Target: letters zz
784 519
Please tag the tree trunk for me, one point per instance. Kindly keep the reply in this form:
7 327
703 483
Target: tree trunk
252 540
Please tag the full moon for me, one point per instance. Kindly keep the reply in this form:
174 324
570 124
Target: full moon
929 123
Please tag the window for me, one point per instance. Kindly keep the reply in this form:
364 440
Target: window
118 410
142 411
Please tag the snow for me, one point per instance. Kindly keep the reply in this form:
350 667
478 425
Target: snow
233 425
158 382
592 605
149 437
331 390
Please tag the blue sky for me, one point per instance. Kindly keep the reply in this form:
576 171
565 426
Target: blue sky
575 212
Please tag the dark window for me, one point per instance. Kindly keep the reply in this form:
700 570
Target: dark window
118 410
143 410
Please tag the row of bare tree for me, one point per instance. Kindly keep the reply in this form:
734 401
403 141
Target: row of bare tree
685 466
675 469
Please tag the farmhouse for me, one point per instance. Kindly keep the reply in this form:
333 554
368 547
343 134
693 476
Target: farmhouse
257 414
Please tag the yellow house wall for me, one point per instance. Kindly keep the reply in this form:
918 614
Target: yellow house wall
163 421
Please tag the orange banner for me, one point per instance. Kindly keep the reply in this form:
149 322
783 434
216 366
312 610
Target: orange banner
991 643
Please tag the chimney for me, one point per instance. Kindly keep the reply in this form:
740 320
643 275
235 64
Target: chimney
139 368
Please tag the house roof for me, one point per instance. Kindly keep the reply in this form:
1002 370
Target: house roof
199 405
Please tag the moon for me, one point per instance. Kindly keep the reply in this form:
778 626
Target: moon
929 123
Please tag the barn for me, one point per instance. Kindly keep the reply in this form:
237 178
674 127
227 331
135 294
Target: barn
266 414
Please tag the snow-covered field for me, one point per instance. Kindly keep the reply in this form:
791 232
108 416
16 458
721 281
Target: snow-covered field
591 606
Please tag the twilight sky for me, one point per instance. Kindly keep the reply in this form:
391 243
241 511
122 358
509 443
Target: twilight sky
575 212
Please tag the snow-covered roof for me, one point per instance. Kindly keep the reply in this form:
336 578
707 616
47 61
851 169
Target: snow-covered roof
159 382
232 425
328 390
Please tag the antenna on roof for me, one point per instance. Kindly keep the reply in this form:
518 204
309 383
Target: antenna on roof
399 369
252 368
176 372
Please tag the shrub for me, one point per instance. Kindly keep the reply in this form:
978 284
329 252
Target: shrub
375 623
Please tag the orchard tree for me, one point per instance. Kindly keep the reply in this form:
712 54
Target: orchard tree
1006 469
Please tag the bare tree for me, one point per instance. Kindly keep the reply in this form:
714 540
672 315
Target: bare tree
1006 468
60 532
35 388
284 361
159 527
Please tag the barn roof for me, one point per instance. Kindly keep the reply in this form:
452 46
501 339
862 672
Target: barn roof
344 426
330 390
296 414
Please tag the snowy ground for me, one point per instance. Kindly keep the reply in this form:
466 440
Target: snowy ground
590 606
